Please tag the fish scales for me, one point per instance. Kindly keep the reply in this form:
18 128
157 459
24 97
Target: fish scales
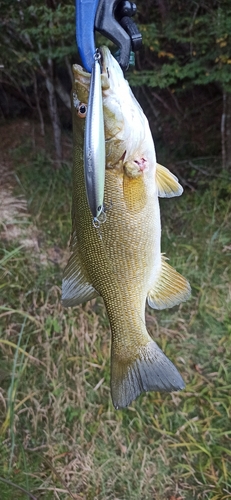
121 261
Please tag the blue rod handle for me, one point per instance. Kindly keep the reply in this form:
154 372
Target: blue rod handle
85 19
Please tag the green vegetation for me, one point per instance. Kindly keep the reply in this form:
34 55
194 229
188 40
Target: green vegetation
187 43
60 435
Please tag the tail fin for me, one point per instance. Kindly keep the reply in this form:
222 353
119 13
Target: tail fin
150 371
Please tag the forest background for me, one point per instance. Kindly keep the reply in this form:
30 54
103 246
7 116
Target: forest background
186 54
60 437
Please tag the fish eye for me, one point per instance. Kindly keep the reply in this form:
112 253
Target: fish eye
82 110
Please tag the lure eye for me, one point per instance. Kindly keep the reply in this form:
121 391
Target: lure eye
82 110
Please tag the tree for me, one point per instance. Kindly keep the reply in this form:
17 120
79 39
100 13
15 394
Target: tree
186 44
34 40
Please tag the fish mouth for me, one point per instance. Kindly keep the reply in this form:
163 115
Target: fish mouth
106 61
109 67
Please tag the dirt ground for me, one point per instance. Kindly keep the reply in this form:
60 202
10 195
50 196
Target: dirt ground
16 224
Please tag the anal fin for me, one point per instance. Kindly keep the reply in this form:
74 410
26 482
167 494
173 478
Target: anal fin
75 286
170 289
167 183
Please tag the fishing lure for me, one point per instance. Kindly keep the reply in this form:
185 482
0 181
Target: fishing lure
94 142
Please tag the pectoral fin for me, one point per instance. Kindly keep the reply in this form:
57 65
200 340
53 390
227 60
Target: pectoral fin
75 286
170 289
167 183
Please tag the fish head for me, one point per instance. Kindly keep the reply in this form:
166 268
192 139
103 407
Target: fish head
128 140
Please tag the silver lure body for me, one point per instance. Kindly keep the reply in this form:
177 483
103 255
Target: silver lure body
94 144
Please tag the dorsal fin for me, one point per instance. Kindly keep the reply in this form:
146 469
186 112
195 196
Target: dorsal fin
167 183
75 286
170 289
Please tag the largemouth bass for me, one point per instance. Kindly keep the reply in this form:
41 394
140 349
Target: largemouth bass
121 261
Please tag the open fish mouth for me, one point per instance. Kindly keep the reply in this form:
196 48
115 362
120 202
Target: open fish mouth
83 77
111 74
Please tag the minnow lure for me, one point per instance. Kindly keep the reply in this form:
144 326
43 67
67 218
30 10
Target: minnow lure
94 142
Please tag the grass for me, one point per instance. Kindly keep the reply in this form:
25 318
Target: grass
60 436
